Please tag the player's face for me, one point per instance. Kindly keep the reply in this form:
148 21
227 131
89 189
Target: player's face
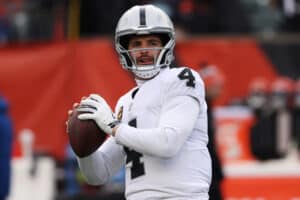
144 49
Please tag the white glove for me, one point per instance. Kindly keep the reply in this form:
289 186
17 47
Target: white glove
95 107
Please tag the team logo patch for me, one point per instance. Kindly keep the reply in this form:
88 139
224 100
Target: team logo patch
120 114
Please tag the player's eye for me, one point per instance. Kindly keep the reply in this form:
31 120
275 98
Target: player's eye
135 44
154 42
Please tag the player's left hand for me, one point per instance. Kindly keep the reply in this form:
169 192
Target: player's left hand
95 107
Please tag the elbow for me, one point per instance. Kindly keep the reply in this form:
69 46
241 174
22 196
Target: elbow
169 151
172 143
93 180
92 176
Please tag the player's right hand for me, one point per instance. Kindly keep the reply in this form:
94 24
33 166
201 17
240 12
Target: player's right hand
96 108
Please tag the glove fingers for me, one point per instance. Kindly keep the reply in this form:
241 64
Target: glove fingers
86 109
89 103
86 116
97 98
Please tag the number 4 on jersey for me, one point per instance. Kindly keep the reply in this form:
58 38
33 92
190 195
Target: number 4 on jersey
187 74
137 167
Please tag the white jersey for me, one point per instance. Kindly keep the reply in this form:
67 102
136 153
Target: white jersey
162 140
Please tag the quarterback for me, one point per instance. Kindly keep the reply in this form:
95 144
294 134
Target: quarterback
159 129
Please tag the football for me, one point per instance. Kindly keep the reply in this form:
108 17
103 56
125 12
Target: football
84 135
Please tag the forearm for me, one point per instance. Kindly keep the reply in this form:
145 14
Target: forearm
94 169
100 166
162 142
175 125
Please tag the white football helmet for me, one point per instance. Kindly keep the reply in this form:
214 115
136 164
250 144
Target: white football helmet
143 20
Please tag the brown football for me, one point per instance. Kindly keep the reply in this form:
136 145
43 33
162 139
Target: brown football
84 135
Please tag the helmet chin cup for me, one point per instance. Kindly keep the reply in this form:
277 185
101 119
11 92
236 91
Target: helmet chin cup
145 74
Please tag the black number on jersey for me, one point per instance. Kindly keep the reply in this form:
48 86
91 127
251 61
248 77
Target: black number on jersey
137 168
187 74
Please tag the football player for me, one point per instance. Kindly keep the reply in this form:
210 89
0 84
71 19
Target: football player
160 132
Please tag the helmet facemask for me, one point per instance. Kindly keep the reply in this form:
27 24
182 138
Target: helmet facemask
163 57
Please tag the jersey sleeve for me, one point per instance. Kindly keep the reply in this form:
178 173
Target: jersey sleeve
100 166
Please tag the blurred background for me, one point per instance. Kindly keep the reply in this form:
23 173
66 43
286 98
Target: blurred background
53 52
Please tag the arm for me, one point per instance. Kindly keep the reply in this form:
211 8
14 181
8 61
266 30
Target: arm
100 166
176 123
